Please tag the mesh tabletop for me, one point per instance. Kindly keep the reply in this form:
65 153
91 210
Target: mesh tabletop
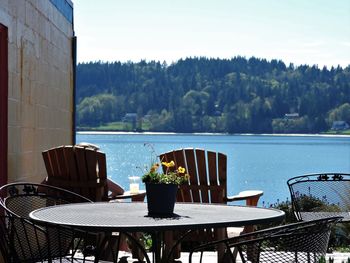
133 216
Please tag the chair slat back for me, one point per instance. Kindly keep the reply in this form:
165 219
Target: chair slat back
78 169
72 169
207 170
320 195
189 162
207 184
202 173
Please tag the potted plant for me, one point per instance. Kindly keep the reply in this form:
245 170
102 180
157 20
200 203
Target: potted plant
161 187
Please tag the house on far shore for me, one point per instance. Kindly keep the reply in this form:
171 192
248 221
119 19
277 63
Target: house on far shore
290 116
340 126
130 117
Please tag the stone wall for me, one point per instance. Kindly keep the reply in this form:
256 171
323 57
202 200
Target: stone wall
40 92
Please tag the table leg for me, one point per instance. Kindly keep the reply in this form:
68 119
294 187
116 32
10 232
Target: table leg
171 249
163 249
251 251
140 247
136 253
160 252
157 246
221 234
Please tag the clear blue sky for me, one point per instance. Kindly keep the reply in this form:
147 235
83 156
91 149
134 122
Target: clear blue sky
295 31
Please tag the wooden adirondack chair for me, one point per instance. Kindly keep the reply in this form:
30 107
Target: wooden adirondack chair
79 169
82 169
208 184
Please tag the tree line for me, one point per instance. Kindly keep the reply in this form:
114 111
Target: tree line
237 95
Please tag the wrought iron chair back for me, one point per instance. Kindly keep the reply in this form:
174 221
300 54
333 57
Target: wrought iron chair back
298 242
24 241
22 198
320 195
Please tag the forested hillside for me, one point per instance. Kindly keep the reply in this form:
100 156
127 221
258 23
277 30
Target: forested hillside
235 95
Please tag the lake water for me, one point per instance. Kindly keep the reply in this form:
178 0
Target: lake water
254 161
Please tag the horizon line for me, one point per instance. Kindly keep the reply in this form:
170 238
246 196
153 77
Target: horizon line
211 57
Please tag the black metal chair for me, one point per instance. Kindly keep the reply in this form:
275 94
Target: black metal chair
320 195
298 242
24 197
24 241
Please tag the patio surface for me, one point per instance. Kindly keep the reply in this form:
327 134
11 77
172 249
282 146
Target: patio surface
210 257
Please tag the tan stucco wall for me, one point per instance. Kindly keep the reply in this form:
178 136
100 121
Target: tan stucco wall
40 102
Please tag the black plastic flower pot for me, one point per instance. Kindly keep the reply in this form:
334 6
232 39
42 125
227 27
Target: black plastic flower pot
161 199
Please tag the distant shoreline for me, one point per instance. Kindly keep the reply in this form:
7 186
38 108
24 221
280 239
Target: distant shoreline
210 134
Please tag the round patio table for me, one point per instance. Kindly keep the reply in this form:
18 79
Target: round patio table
133 217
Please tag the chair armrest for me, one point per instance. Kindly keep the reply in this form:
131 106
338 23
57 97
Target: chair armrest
114 188
117 192
138 197
251 197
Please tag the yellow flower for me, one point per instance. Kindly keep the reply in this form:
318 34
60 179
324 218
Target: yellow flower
154 167
181 170
168 165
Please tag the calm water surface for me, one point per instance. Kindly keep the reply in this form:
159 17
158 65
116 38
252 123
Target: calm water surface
254 162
